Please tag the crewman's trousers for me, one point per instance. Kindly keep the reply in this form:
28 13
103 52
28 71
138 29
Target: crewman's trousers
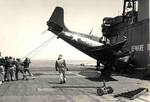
62 75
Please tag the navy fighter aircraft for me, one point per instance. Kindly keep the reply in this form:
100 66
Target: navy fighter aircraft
105 54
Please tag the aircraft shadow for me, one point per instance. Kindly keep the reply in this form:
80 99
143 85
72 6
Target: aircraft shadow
95 76
142 74
52 82
142 77
98 79
38 74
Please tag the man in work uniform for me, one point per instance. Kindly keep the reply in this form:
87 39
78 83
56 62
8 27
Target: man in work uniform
1 69
60 66
11 68
27 62
6 68
1 74
19 68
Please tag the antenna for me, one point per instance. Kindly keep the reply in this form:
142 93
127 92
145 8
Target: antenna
91 31
44 31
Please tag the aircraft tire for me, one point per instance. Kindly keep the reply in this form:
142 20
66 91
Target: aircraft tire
100 92
109 90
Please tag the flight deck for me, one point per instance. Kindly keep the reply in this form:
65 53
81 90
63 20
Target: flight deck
81 85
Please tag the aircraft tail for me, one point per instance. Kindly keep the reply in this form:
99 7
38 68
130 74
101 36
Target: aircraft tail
56 21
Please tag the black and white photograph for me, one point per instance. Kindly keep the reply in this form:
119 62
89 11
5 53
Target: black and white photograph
74 51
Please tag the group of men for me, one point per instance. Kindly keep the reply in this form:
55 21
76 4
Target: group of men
10 68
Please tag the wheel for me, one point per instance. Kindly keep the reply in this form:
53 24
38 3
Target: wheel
100 92
109 90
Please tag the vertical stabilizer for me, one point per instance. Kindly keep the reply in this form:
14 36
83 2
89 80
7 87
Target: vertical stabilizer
56 21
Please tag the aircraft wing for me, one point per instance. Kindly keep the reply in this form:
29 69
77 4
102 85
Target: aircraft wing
99 49
105 52
115 47
102 53
118 46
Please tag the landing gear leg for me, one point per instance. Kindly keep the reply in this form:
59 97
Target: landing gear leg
104 90
98 66
106 72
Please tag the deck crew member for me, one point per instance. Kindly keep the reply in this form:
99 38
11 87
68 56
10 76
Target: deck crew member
1 69
11 68
19 68
6 68
60 66
27 62
1 74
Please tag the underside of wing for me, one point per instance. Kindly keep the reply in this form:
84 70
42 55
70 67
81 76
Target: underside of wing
118 46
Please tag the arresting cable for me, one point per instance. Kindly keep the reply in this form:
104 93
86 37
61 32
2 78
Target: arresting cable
39 48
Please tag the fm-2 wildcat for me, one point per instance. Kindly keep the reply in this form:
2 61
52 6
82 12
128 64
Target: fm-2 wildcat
107 54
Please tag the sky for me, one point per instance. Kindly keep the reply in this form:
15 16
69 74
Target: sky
23 21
